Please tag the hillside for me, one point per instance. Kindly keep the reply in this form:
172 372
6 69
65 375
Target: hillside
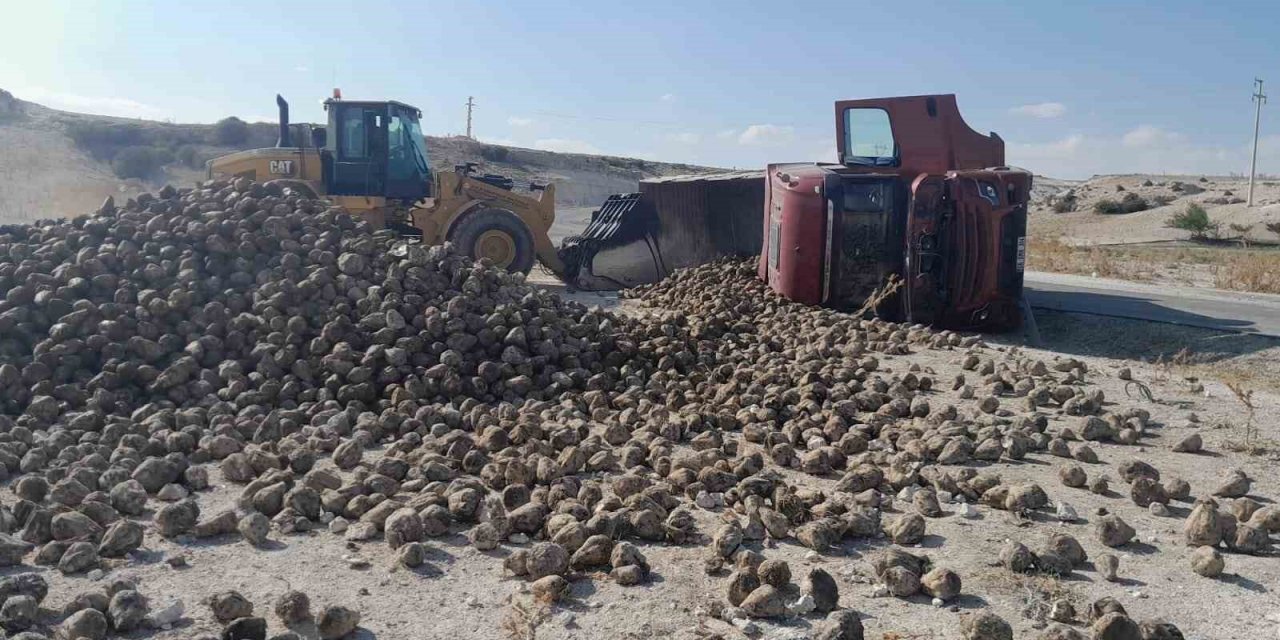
58 163
1084 213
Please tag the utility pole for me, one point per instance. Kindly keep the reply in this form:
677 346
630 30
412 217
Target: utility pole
1258 97
471 103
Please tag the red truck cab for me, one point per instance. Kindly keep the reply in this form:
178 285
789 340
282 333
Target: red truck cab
918 195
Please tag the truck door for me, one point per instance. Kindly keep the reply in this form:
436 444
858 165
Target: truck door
923 273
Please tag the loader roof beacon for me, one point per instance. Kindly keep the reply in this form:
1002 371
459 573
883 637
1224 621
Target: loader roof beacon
371 159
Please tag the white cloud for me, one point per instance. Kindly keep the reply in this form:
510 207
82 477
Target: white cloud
98 105
1148 136
1044 110
766 135
302 68
727 134
1143 149
687 137
517 121
565 145
667 97
506 142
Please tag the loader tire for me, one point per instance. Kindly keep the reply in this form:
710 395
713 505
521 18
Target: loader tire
496 234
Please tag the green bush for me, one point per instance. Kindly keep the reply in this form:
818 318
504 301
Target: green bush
1064 204
1130 203
138 161
229 132
104 139
494 153
188 156
1195 220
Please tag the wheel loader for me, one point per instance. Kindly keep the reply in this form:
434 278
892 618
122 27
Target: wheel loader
371 160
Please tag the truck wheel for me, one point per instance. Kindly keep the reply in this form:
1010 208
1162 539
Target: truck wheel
498 235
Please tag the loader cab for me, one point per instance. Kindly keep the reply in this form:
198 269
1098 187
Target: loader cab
375 149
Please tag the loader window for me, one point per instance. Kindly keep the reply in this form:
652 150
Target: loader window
400 164
408 175
355 136
869 138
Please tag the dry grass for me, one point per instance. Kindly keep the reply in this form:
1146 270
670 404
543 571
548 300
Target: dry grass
1257 271
1059 257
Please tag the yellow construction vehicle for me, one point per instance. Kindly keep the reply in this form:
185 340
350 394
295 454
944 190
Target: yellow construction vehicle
371 160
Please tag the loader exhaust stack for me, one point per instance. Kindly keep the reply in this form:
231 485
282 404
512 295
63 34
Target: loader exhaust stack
283 104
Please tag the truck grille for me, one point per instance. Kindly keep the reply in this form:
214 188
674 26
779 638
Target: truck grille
970 268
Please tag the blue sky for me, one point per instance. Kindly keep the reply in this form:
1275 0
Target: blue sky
1074 88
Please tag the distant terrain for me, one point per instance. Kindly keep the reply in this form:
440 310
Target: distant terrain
1125 227
58 163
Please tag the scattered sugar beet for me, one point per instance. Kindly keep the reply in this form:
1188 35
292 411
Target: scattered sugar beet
241 329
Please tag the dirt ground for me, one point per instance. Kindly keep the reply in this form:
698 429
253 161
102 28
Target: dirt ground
463 593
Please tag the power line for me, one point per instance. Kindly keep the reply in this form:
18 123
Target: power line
1258 97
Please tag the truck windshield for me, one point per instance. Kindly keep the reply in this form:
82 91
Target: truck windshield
869 138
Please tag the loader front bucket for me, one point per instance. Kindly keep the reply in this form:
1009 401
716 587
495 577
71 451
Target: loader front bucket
673 222
617 250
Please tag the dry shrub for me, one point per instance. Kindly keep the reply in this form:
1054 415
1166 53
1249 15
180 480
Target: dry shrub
1251 440
1035 593
1256 271
521 620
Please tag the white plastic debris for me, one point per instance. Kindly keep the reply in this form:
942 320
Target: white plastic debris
937 602
166 616
1066 513
802 606
881 591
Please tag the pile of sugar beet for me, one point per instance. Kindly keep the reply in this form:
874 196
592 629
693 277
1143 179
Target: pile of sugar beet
238 333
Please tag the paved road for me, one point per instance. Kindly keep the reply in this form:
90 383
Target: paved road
1209 308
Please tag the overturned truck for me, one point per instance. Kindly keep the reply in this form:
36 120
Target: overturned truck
919 206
